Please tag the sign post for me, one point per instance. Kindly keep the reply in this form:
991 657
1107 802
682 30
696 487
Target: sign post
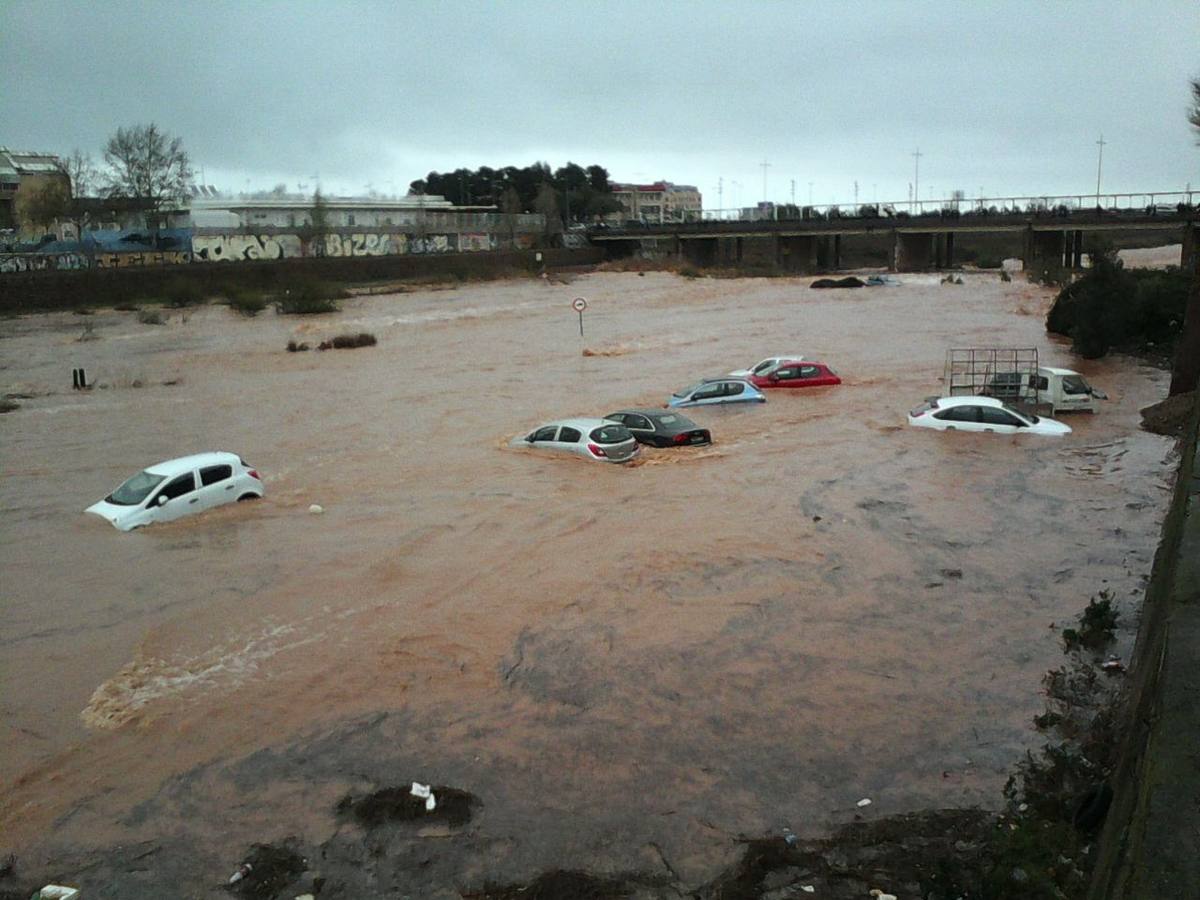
579 305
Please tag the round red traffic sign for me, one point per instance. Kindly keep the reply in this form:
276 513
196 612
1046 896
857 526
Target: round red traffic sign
579 304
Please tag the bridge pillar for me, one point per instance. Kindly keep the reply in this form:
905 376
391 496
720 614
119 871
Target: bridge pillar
760 251
1044 250
912 252
1077 259
699 251
837 251
798 253
729 251
949 249
1191 247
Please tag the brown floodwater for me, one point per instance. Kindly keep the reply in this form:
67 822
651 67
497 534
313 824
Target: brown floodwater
824 606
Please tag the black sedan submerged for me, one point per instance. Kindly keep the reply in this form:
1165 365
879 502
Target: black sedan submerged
662 427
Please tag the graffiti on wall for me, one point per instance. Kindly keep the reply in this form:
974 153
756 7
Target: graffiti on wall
240 247
148 258
474 242
433 243
364 244
40 262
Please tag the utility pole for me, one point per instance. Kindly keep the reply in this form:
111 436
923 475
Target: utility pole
810 184
856 196
917 173
721 196
1099 162
765 165
794 192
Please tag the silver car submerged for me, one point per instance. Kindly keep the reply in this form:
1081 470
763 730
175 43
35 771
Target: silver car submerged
594 439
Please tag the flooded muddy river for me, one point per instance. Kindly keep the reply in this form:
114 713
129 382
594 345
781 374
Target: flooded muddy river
627 665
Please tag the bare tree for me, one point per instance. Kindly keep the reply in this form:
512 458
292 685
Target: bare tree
80 172
1194 112
546 203
147 165
510 205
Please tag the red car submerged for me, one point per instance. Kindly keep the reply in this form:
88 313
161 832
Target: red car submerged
796 373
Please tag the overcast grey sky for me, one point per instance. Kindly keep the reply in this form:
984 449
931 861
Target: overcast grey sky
1007 97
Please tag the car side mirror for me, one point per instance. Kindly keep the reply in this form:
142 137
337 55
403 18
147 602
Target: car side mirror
162 499
774 376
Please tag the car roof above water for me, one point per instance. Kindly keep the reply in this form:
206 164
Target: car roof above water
579 424
968 400
182 464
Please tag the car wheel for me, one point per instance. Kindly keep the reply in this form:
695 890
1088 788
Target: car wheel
249 497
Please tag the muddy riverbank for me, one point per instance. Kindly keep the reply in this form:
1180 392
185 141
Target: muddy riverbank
631 668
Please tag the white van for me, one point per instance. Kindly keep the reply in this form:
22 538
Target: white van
1062 390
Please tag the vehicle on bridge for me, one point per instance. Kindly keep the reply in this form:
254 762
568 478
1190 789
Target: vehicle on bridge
713 391
764 367
795 373
982 414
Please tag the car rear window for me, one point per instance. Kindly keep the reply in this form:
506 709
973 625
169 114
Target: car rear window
686 390
610 434
667 419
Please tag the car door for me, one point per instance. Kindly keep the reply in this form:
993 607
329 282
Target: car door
641 426
568 439
176 498
784 376
814 376
707 395
960 418
216 486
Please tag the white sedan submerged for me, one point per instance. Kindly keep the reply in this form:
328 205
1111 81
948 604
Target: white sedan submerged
968 413
179 487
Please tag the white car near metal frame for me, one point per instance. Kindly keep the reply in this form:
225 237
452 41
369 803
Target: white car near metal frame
596 439
986 414
179 487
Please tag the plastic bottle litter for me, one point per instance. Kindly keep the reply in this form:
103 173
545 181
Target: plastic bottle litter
242 871
865 801
56 892
808 888
316 508
789 837
423 790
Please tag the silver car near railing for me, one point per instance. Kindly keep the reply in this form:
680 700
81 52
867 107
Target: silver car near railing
594 439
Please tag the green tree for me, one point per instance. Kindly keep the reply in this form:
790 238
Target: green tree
149 166
510 205
1194 112
318 216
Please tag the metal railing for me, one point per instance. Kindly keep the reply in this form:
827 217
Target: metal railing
1159 201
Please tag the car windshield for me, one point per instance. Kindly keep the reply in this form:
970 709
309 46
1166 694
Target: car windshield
136 489
687 390
763 366
610 434
1074 384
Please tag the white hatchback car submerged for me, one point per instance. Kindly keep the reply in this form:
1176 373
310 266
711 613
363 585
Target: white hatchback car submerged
595 439
766 366
969 413
179 487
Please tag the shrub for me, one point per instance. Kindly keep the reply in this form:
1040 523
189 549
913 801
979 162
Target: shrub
127 307
1097 624
349 342
309 297
689 271
150 317
293 347
181 292
248 303
1111 306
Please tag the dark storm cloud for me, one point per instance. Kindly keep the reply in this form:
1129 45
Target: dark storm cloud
1007 96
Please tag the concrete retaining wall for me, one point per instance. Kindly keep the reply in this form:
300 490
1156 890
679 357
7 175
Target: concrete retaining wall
1150 847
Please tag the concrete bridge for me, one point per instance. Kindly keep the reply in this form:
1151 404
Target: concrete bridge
1050 238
